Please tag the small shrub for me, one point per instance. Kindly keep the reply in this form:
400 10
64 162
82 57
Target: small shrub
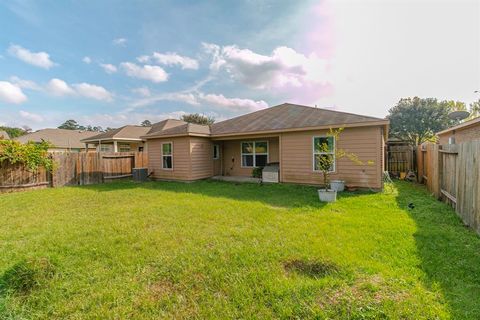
257 172
32 155
26 275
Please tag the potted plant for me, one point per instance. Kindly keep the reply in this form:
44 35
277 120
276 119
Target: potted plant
325 161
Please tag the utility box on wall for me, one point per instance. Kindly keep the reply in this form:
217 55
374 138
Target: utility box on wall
270 173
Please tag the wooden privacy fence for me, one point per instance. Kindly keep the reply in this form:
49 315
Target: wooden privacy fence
452 174
400 159
73 169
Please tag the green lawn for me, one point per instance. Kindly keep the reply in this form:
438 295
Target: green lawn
221 250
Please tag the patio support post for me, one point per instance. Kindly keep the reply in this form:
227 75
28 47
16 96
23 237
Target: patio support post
115 147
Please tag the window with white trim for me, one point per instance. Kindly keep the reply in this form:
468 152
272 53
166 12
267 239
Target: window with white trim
167 155
323 147
106 148
123 147
254 154
216 151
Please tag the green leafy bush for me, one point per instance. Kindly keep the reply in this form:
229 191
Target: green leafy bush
32 155
257 172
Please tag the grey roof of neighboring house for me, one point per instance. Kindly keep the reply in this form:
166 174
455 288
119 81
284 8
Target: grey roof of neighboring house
183 129
164 125
286 116
60 138
4 135
128 132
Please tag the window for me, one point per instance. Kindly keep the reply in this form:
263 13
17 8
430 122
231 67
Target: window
105 148
123 147
254 154
167 155
323 147
216 151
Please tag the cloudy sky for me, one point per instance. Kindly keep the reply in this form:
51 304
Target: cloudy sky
112 63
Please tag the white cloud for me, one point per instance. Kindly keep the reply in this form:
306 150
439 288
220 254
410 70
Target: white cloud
108 68
148 72
142 91
31 116
92 91
58 87
119 42
10 93
39 59
232 104
214 101
170 59
87 60
283 67
25 84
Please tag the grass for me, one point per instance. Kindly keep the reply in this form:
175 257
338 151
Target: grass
220 250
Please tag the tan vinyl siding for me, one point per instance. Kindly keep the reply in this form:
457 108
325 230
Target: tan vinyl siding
181 159
365 142
461 135
231 149
201 154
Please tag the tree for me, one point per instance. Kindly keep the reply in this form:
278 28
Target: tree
13 132
146 123
475 109
198 119
416 120
70 125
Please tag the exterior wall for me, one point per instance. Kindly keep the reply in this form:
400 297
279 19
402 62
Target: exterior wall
218 163
462 134
133 145
201 155
181 159
232 150
296 157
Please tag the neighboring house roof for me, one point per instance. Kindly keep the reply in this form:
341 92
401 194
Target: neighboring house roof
60 138
123 133
164 125
469 123
4 135
284 117
184 129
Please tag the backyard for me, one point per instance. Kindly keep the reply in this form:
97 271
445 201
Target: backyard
223 250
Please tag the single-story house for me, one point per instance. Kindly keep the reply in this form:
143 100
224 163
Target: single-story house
4 135
285 135
463 132
123 139
62 140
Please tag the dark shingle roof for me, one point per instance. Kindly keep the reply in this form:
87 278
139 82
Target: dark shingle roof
184 129
60 138
287 116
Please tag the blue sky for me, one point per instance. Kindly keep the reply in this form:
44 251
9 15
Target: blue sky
112 63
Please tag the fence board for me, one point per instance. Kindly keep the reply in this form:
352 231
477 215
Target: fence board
453 175
73 169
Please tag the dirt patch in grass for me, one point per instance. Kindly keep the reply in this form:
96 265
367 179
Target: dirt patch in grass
312 269
27 275
364 296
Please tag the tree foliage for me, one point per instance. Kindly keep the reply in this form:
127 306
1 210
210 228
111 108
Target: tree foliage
73 125
474 109
146 123
14 132
416 120
33 155
198 119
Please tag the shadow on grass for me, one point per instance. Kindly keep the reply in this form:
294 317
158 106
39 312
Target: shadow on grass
449 252
276 195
